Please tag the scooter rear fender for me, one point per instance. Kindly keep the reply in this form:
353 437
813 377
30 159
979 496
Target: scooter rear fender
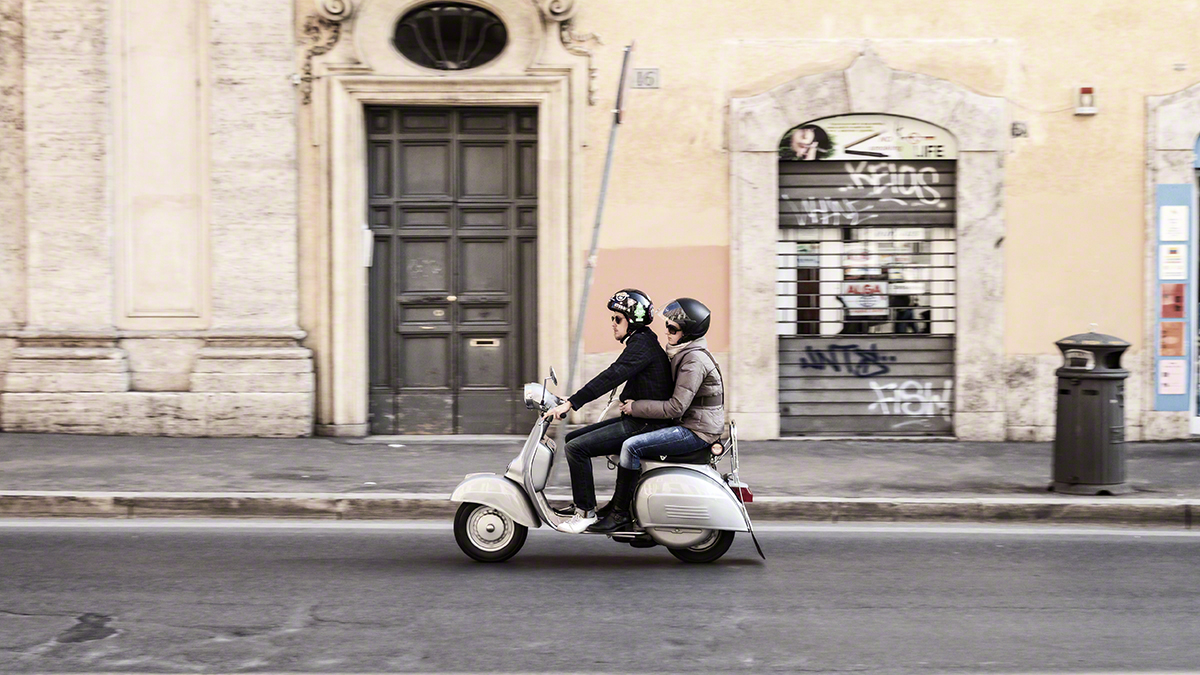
686 496
498 492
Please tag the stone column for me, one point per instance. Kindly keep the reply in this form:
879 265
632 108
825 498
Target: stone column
754 370
258 380
66 359
12 178
979 348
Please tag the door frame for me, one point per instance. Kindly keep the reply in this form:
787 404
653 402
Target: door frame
472 407
343 391
1172 130
1192 300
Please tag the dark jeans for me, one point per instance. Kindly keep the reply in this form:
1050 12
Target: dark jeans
598 440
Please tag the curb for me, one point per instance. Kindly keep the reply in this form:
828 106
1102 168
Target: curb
1174 513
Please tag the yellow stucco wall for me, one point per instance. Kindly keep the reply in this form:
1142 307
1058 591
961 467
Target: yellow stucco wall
1074 196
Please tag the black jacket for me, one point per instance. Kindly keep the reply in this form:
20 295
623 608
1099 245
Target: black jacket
643 366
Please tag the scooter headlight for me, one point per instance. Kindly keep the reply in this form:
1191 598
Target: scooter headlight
538 398
534 394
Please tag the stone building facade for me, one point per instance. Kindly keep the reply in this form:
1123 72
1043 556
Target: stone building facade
155 264
243 218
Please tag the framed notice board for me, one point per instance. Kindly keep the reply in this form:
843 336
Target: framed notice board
1174 310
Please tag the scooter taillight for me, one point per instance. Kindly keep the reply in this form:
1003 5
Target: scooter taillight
743 492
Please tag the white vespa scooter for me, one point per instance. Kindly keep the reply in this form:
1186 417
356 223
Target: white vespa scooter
681 502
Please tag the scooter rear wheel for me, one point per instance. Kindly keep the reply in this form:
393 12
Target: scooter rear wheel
487 534
706 551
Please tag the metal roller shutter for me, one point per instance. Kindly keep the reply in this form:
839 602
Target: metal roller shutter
866 297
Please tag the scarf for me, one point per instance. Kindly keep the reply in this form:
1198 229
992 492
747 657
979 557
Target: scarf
672 350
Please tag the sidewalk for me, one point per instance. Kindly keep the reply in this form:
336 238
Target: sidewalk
802 480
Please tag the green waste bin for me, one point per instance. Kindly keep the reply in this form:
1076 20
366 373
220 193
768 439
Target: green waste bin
1089 439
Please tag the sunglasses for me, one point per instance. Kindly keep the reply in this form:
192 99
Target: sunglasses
617 318
673 329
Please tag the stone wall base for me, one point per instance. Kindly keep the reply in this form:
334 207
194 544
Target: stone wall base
136 413
343 430
248 385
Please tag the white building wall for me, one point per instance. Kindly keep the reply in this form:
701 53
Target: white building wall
160 223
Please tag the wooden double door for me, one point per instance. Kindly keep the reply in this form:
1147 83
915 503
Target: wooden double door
453 279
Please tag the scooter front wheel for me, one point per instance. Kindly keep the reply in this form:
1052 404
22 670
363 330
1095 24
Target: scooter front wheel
487 534
706 551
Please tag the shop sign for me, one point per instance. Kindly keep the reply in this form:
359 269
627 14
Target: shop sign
909 288
867 137
808 255
866 259
867 298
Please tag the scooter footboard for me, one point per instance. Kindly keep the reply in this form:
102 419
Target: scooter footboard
498 492
678 497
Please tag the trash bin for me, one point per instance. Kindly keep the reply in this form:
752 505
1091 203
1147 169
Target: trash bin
1089 439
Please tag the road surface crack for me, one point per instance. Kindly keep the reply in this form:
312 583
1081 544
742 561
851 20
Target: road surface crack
33 614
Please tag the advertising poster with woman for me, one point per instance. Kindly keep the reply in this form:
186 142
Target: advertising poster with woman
859 137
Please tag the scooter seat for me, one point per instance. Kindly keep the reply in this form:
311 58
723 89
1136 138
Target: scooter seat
700 456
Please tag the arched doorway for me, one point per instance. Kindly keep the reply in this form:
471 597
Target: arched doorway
979 124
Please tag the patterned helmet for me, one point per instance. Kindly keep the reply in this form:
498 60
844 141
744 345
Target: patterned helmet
634 305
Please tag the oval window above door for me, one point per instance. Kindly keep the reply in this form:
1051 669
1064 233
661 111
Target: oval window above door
450 36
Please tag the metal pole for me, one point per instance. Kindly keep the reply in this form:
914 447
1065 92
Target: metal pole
590 269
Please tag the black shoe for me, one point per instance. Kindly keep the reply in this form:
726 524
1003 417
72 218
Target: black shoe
617 521
603 511
565 511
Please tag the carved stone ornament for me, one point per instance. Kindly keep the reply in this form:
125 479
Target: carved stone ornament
321 33
574 43
557 10
335 10
562 12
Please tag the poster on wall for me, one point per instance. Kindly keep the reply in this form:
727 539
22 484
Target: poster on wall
1172 377
1173 223
1172 301
867 137
1172 261
1170 339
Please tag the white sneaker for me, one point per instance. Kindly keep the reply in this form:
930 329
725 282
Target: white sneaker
578 522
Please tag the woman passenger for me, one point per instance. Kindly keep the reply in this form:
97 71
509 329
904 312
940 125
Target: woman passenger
697 402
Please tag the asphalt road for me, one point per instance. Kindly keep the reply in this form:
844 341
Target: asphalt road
221 597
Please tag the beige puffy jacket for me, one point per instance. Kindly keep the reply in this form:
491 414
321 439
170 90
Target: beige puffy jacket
698 396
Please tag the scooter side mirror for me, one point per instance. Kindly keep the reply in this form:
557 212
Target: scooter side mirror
553 377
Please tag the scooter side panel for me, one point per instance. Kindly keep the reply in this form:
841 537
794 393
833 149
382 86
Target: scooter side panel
672 496
497 492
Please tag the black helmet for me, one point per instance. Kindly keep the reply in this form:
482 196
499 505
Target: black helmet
691 315
634 305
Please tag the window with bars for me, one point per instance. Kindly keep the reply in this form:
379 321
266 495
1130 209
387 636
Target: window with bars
866 248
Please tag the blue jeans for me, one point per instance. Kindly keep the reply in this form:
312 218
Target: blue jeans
598 440
663 442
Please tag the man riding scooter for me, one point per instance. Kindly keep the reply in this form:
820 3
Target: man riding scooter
695 413
644 368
